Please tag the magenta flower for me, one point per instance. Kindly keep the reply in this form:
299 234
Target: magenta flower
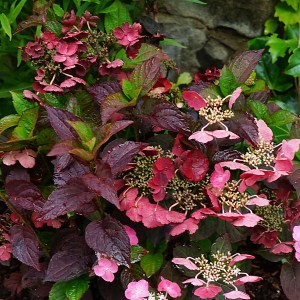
49 39
219 177
34 50
66 53
5 252
137 290
193 99
128 35
106 269
111 68
236 295
171 288
203 136
296 237
207 292
133 239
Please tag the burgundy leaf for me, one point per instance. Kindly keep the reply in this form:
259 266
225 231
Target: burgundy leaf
244 125
71 261
66 167
109 237
226 155
165 115
113 103
25 246
243 64
24 194
290 279
17 173
67 198
119 156
13 283
100 91
58 119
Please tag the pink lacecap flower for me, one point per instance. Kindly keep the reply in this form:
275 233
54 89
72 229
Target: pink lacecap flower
132 235
236 295
171 288
208 291
207 136
190 224
185 262
111 68
127 35
137 290
66 53
5 252
219 177
25 157
296 237
106 269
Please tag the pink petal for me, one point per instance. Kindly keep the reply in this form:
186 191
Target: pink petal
281 248
234 165
68 83
190 224
259 201
296 233
289 148
185 262
194 281
132 235
246 279
264 131
248 220
234 96
201 136
219 177
171 288
9 158
193 99
236 295
240 257
207 292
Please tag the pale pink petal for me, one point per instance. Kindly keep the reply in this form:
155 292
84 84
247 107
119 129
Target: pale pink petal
137 290
236 295
240 257
264 131
194 281
297 256
248 220
9 158
234 96
296 233
297 246
190 224
132 235
201 136
219 134
25 159
185 262
207 292
246 279
171 288
193 99
259 201
219 177
281 248
289 148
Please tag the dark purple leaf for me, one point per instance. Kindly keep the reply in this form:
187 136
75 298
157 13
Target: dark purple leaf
244 125
290 279
108 236
34 277
100 91
294 177
66 167
71 260
119 156
112 290
25 246
112 104
17 173
103 183
226 155
243 64
24 194
58 119
165 115
66 198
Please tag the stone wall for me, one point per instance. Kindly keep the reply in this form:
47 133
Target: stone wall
213 32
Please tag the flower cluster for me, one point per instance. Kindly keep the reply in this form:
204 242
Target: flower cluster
220 270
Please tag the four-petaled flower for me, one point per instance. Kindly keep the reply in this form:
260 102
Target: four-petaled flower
106 268
137 290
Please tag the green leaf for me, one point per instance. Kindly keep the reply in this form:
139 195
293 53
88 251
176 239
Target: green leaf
26 124
258 43
137 253
227 81
294 64
286 14
222 245
184 78
280 132
16 11
84 131
293 3
54 27
171 42
5 25
76 288
271 26
196 1
58 291
58 10
151 263
260 110
130 89
291 32
278 47
273 75
8 121
21 104
283 117
116 18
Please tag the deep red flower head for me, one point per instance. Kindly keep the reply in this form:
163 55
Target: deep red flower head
49 39
164 165
208 76
88 18
193 164
111 68
68 21
127 35
262 236
34 50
